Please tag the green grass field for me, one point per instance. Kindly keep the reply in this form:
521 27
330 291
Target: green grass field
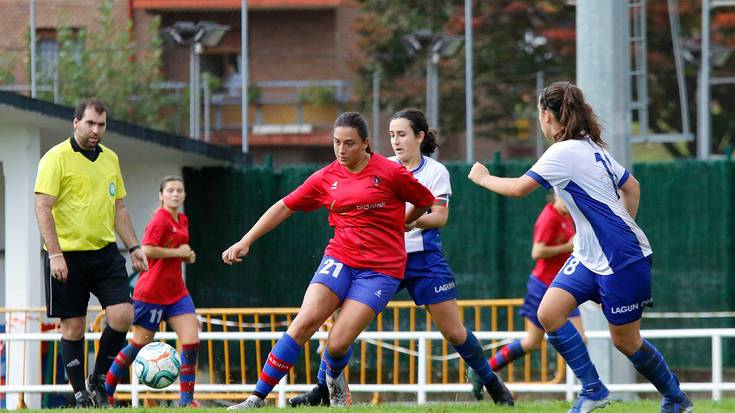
649 406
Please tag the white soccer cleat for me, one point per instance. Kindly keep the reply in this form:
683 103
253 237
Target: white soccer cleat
252 402
339 391
590 400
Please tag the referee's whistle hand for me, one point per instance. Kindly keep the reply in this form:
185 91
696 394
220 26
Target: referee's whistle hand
140 262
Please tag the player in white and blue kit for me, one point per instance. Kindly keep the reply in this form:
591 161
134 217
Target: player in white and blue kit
611 261
427 277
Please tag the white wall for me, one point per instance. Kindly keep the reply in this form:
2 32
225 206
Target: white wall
2 237
23 286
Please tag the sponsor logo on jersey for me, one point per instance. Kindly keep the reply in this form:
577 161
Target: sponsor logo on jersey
334 185
377 180
111 189
359 207
444 287
380 204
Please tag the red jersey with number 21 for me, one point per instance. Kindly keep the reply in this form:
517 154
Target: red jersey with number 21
367 211
163 282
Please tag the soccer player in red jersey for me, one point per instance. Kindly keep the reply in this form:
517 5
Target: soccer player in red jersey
552 245
363 263
160 293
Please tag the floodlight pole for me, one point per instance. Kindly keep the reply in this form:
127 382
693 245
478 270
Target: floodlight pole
376 111
244 73
468 85
703 141
193 92
32 25
432 86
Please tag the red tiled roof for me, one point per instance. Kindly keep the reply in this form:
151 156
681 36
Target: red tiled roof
233 4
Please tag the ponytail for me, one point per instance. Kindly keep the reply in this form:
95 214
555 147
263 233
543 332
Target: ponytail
418 122
576 118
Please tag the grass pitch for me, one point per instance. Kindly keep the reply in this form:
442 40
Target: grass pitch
647 406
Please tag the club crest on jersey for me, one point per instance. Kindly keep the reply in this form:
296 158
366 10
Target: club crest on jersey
377 181
334 185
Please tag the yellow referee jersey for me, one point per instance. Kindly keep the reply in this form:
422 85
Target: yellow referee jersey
85 193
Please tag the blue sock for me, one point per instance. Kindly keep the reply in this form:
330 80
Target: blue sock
280 360
651 364
506 355
567 341
321 377
335 365
119 368
472 353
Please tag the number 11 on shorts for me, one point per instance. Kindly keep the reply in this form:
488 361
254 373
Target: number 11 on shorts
334 266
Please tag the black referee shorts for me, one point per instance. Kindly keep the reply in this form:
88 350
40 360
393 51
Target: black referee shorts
101 272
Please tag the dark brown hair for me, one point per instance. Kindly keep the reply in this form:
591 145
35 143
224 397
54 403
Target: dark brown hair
418 122
170 178
566 103
356 121
95 103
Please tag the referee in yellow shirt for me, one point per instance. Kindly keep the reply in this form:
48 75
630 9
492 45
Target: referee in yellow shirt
79 207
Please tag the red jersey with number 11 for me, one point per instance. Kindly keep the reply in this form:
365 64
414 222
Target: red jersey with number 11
367 211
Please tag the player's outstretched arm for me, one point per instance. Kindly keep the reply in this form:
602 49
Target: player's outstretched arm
631 190
272 218
515 187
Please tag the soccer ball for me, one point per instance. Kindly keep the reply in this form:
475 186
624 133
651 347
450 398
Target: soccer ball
157 365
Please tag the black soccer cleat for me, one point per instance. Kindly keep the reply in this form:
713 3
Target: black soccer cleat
82 400
96 389
318 396
499 393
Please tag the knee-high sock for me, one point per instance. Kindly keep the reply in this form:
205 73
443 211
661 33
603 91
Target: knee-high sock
567 341
506 355
651 364
321 376
472 353
188 372
335 365
119 368
111 341
280 360
72 352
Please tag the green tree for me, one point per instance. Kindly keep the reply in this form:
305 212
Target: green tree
103 63
513 39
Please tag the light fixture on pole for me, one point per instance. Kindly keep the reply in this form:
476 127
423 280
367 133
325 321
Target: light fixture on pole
197 36
436 47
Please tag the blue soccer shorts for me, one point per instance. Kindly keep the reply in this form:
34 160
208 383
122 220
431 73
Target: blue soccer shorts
428 278
149 315
369 287
535 290
623 294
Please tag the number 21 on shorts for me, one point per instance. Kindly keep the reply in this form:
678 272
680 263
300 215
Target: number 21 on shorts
331 267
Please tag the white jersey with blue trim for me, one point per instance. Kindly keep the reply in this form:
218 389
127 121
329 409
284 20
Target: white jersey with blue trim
588 180
435 177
